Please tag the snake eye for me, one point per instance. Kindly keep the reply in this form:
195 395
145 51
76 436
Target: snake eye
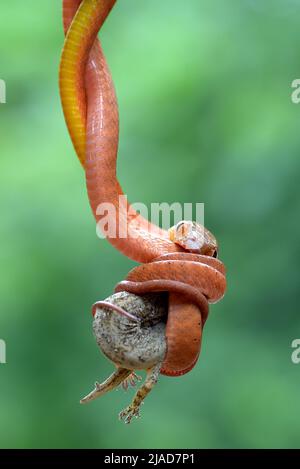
215 254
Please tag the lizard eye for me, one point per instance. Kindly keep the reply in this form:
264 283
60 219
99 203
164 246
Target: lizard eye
215 254
179 225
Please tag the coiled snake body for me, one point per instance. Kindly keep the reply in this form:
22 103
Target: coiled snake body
193 277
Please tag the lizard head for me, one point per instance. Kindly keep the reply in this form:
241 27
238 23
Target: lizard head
194 238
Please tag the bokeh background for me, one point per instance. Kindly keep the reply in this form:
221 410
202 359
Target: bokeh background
204 88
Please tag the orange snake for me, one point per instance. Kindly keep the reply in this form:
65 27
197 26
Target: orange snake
91 112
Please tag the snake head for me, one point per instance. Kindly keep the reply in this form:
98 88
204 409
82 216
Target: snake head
194 238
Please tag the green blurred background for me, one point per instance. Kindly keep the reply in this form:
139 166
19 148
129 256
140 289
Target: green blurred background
204 90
